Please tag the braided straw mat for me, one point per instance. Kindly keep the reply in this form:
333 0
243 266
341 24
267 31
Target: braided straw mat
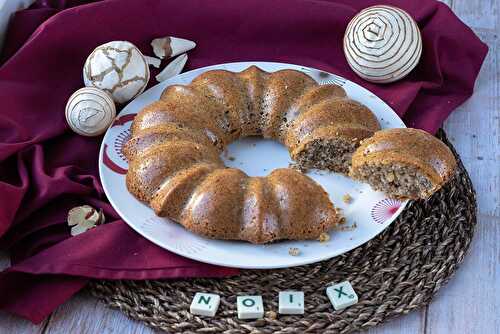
398 271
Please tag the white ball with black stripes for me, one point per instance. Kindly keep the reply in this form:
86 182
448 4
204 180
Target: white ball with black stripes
382 44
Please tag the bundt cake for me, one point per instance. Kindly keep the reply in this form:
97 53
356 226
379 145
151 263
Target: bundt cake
174 162
403 163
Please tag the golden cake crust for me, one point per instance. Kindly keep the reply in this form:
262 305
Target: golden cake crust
304 214
148 171
216 205
334 117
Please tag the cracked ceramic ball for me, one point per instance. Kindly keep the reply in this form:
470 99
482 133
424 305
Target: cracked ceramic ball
90 111
118 68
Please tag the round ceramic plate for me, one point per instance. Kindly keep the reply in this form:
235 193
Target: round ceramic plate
368 214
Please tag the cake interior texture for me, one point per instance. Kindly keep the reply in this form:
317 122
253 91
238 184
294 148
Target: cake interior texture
326 154
396 180
404 163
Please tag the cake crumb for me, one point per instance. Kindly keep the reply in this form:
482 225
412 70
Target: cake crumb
231 158
347 199
297 167
351 227
294 251
271 315
324 237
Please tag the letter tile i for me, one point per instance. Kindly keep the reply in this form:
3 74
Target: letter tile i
291 302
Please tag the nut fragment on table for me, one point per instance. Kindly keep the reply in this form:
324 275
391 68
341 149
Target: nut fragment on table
347 198
324 237
271 315
294 251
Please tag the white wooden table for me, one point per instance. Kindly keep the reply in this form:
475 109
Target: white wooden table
470 303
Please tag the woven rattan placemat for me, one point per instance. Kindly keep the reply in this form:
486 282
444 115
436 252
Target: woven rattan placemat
396 272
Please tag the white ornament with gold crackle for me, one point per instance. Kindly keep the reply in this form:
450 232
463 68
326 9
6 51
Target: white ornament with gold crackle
119 68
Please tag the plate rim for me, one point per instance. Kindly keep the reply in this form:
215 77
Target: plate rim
215 262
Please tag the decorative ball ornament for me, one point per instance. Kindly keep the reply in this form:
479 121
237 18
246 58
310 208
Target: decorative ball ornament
90 111
382 44
118 68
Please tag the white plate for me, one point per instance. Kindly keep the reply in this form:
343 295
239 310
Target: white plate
370 212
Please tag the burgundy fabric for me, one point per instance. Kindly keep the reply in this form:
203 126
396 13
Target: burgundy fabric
45 169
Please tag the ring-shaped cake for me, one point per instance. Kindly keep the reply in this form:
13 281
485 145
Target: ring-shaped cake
176 142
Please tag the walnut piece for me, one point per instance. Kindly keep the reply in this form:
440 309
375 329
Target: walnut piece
347 198
271 315
324 237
